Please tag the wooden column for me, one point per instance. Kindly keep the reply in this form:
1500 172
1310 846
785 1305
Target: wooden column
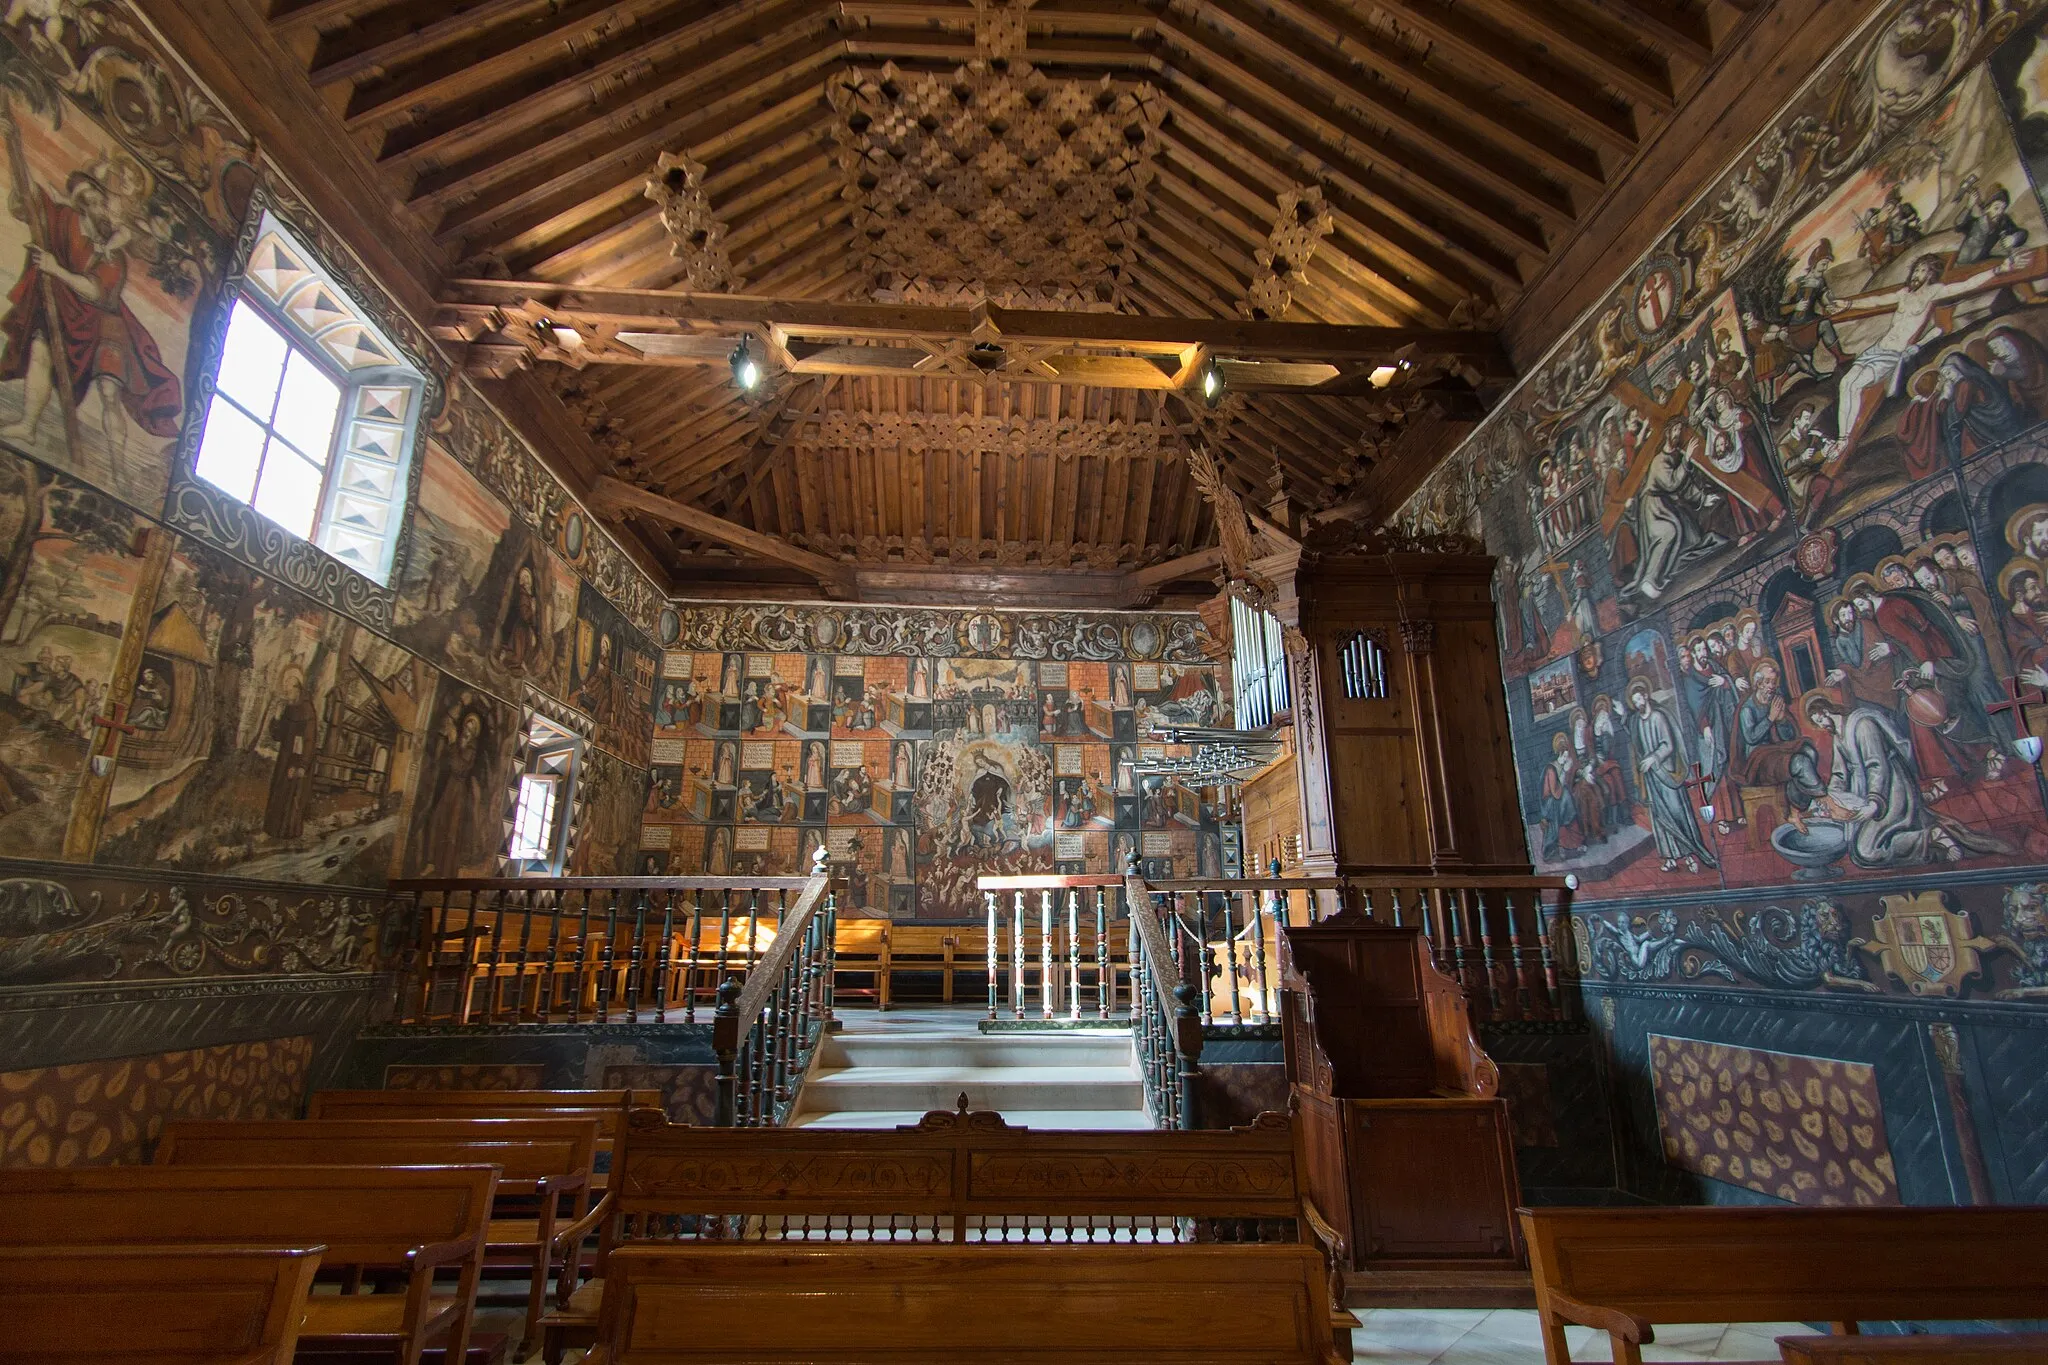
1421 778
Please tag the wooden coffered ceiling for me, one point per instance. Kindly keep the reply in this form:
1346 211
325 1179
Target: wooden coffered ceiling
1335 202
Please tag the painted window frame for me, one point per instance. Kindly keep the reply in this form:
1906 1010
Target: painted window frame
367 485
554 752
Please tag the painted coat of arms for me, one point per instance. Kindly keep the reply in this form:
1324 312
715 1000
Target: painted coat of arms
1926 945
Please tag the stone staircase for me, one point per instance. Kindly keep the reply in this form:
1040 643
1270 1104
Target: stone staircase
888 1069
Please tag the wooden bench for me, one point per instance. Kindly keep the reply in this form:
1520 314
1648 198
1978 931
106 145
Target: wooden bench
416 1219
73 1305
541 1161
884 950
1624 1270
861 1302
963 1183
1982 1348
607 1107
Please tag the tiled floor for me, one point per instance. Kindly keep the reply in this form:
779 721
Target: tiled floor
1509 1336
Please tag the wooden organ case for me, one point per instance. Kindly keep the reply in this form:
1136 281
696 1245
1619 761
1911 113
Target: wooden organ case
1404 1132
1400 717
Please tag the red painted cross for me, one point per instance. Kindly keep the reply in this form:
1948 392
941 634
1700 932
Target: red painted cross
110 726
1704 783
2017 700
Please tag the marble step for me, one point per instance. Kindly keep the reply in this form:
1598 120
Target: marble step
1007 1088
1085 1120
974 1050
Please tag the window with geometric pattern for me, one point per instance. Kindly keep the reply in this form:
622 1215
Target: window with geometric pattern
314 412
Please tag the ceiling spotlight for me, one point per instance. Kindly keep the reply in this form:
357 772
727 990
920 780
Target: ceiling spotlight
1212 384
746 371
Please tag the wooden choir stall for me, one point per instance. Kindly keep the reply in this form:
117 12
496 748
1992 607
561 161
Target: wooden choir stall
1404 1133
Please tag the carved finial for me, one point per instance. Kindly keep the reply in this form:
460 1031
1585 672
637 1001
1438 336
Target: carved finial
819 861
960 1105
1131 868
729 996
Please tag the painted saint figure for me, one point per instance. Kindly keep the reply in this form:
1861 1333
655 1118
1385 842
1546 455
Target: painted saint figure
105 347
1661 760
295 731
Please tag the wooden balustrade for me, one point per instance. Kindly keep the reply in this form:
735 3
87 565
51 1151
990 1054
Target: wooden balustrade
1053 938
767 1027
569 950
1166 1018
1503 939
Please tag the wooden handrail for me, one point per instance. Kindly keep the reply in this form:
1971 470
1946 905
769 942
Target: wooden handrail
1045 882
603 884
1156 949
1422 881
767 973
1183 1016
553 950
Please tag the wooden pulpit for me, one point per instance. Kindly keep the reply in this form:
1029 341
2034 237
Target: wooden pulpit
1406 1137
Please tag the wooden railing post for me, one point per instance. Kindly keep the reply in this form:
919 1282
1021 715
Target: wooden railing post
725 1043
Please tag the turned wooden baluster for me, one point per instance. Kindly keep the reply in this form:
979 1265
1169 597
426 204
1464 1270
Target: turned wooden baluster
1017 954
1546 932
725 937
1074 954
1489 941
1230 964
993 952
662 954
1105 975
525 954
1048 971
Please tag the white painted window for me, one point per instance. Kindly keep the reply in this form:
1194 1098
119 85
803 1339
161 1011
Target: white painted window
314 411
533 818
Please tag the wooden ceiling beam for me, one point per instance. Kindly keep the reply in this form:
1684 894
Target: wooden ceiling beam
1664 24
379 106
1481 243
660 310
1105 20
320 14
622 498
1424 156
1538 20
1386 272
753 41
411 42
1469 109
1454 32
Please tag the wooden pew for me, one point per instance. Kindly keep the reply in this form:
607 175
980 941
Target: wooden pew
417 1219
73 1305
1625 1270
608 1107
541 1160
860 1302
884 950
961 1182
1982 1348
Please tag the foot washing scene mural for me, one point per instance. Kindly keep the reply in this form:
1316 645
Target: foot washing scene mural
1772 524
924 749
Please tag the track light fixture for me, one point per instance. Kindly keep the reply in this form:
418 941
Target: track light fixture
746 371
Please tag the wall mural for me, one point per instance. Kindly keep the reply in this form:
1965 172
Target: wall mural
185 689
265 728
1773 536
923 749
